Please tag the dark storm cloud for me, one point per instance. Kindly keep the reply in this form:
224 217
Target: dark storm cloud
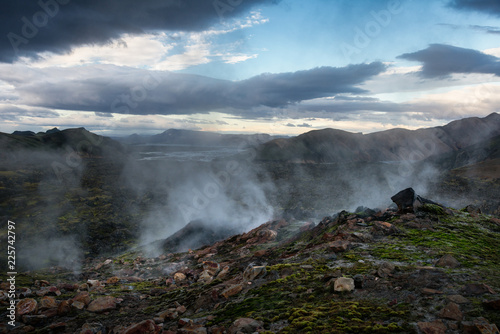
28 26
112 89
486 6
442 60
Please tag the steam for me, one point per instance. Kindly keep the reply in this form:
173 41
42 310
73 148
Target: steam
228 194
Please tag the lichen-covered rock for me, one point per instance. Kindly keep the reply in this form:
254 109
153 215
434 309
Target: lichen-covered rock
252 272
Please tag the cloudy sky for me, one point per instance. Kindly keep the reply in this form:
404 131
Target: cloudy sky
273 66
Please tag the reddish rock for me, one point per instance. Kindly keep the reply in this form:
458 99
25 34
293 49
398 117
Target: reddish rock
181 309
26 306
67 286
92 328
452 312
232 290
48 302
384 228
211 267
64 307
434 327
447 261
192 329
245 325
144 327
260 253
83 297
112 280
102 304
169 314
339 246
223 273
477 289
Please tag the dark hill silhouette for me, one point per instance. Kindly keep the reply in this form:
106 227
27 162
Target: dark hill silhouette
330 145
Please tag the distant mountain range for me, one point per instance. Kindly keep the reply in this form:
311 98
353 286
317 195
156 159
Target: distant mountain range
198 138
337 146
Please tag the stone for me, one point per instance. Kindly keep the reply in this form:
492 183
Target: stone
211 267
26 306
384 228
181 309
205 277
169 314
92 328
245 325
477 289
343 284
459 299
232 290
447 261
193 329
83 297
451 311
64 307
112 280
48 303
252 272
405 199
339 246
102 304
385 269
434 327
143 327
223 273
179 277
78 305
492 304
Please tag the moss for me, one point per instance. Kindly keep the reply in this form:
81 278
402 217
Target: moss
433 209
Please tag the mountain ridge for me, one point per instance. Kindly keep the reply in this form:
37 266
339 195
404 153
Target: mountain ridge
333 145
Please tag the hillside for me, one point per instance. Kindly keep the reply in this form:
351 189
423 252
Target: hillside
330 145
427 270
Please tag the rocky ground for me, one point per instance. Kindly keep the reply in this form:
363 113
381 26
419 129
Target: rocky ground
421 270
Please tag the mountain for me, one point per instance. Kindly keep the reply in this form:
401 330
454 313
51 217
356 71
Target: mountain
197 138
331 145
78 140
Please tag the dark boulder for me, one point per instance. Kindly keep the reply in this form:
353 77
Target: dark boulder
408 201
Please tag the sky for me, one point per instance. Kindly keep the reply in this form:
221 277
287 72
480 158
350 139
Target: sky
282 67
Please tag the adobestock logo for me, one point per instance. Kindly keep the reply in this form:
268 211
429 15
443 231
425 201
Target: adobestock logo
30 28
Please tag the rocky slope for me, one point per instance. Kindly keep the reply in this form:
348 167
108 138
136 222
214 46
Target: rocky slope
428 269
331 145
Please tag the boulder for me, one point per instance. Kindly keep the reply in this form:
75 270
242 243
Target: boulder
252 272
245 325
339 246
102 304
232 290
447 261
26 306
434 327
343 284
451 311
